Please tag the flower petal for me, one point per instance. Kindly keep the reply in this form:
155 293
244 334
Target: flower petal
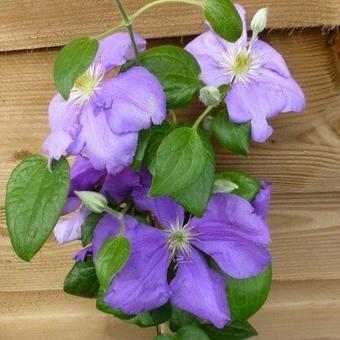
167 212
120 185
116 49
63 120
142 283
138 100
259 100
262 200
236 255
82 254
200 290
236 215
72 204
105 149
70 230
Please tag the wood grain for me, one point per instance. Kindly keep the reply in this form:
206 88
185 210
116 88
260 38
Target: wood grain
26 24
295 311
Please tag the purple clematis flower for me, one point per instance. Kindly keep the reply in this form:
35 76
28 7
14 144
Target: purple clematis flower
85 177
261 84
230 232
103 115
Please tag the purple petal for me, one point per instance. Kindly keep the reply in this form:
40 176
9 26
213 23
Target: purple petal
236 215
120 185
84 176
259 100
236 255
199 290
72 204
63 120
105 149
262 200
116 49
70 230
211 52
167 212
82 254
142 284
138 100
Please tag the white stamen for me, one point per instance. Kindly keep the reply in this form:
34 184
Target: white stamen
87 84
240 65
179 239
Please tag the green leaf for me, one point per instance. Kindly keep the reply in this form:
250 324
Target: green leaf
111 258
152 318
72 61
35 198
143 141
164 337
234 137
187 197
181 159
223 18
88 227
158 133
82 280
234 330
190 333
248 187
176 69
247 296
180 318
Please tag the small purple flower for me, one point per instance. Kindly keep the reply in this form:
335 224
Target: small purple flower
261 84
103 115
84 177
230 232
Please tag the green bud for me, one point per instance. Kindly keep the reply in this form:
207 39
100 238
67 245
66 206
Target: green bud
224 186
94 201
210 96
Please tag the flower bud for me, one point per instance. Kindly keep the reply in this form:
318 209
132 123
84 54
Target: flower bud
225 186
94 201
259 21
210 96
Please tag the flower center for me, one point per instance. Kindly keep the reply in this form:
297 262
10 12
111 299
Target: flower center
179 239
242 63
87 84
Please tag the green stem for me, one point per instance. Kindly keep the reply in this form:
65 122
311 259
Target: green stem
173 116
120 217
128 24
127 21
159 2
202 116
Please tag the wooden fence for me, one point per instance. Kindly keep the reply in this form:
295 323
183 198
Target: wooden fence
302 160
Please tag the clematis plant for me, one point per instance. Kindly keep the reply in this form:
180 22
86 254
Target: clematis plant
166 241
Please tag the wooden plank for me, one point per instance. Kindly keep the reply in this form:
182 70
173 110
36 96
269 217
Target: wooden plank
305 232
295 310
26 24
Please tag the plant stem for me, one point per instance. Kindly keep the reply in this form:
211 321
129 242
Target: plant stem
128 24
120 217
201 117
159 2
173 116
127 21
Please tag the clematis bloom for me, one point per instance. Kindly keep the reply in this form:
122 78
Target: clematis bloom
261 84
230 232
103 115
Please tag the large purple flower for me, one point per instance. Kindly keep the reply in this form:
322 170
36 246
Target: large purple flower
103 115
230 232
261 84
